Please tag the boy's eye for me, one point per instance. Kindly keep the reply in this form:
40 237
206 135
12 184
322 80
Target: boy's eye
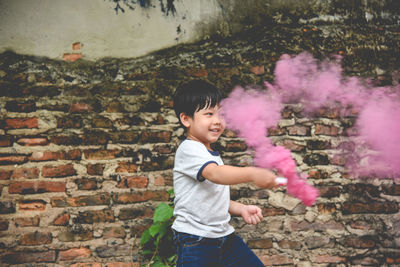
209 114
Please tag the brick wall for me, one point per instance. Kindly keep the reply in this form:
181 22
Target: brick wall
86 151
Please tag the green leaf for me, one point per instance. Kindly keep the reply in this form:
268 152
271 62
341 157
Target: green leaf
145 237
158 264
154 229
163 213
171 192
147 252
162 230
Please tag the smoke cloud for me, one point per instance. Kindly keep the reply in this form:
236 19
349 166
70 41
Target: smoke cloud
316 84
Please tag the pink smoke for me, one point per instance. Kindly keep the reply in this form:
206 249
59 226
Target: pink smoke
250 113
315 84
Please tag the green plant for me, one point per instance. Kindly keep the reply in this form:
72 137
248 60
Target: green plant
157 242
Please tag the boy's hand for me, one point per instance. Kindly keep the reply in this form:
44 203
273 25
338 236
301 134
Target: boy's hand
251 214
263 178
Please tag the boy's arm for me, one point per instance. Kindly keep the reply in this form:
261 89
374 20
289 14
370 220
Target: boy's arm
230 175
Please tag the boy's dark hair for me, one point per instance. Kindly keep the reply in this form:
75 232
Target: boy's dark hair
195 95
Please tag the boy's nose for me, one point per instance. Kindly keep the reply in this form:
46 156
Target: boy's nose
219 120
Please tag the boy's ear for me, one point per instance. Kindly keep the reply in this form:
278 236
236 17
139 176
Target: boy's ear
185 119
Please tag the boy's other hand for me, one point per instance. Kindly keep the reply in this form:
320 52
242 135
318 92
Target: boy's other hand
251 214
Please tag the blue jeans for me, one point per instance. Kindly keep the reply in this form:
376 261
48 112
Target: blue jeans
197 251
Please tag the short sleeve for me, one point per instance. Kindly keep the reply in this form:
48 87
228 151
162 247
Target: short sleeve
192 157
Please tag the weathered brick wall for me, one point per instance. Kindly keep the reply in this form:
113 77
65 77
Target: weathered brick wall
86 151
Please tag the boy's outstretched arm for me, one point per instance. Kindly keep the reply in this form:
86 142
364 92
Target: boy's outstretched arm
230 175
251 214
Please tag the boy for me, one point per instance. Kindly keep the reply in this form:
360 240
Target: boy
201 186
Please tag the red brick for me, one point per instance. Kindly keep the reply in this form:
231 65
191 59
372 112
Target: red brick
291 145
36 238
3 224
197 72
74 154
269 260
28 257
114 232
77 46
317 174
58 171
370 207
95 138
6 140
393 190
36 187
235 147
72 56
7 207
229 133
263 243
74 253
66 140
360 224
11 160
25 173
392 260
20 123
115 107
329 191
32 141
156 137
133 182
122 264
339 159
5 174
70 122
86 264
299 130
91 200
273 211
321 129
135 213
137 230
330 113
313 242
316 226
328 259
73 236
95 216
258 70
360 241
91 154
27 221
114 250
142 196
126 167
32 205
95 169
62 219
86 184
163 149
326 208
289 244
80 108
163 180
275 131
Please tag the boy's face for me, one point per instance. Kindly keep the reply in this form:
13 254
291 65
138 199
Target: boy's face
205 126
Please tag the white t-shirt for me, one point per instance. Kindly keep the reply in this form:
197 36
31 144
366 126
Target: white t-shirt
201 206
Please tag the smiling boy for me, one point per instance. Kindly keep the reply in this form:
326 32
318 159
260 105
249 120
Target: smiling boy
203 207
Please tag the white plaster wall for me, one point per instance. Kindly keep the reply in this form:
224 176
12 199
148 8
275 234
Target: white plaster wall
50 27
